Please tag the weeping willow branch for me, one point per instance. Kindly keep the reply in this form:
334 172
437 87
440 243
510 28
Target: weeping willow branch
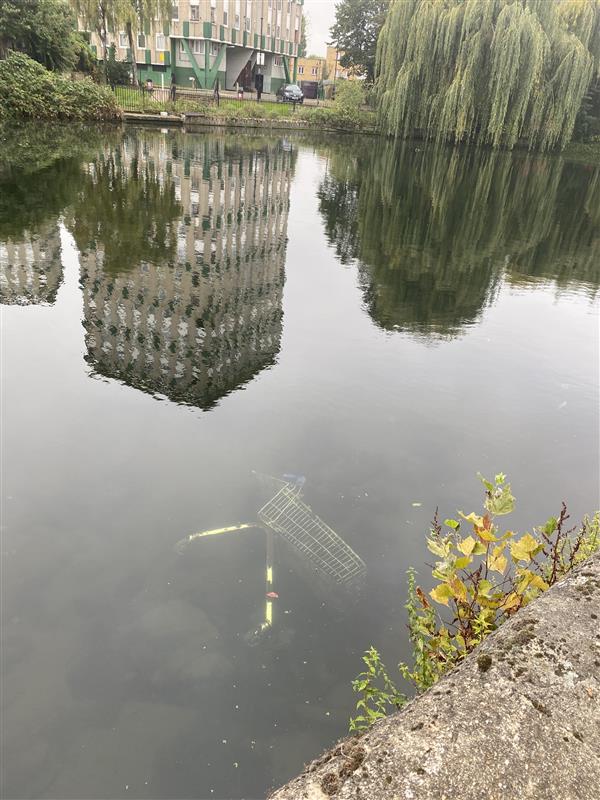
492 71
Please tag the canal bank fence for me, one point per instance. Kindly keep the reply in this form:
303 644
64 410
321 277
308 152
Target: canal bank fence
177 99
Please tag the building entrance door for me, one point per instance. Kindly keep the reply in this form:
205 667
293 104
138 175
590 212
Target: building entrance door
245 77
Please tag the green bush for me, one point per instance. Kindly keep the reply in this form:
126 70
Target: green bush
349 97
28 90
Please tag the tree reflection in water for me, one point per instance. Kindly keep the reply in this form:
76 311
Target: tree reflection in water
436 229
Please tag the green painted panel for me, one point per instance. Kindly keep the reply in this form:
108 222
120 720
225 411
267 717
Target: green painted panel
290 49
245 38
167 59
256 41
222 32
272 43
206 30
148 55
282 46
233 35
166 28
263 42
147 28
183 75
186 29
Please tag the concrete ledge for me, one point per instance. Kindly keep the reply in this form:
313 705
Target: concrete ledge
519 719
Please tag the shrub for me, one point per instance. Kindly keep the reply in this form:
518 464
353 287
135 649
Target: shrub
28 90
483 579
349 97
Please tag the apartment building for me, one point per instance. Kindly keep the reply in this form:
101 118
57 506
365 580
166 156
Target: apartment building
206 321
310 68
30 267
229 41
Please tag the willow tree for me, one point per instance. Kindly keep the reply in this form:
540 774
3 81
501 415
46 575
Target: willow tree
103 16
492 71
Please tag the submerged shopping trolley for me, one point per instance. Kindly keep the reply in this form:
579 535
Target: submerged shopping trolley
287 515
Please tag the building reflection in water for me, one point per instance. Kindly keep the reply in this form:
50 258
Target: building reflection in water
205 315
30 266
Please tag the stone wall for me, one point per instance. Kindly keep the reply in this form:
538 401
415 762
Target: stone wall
519 719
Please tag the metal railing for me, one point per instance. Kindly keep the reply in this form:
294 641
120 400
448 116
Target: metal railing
182 100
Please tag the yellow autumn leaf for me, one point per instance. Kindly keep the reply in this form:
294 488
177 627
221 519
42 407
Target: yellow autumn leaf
466 545
485 535
524 548
539 583
512 600
496 560
458 589
441 594
472 517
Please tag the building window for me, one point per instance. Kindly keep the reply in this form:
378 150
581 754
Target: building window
198 46
300 70
269 29
247 23
212 14
278 62
141 41
175 11
236 24
279 4
161 43
214 48
194 13
278 34
225 18
123 41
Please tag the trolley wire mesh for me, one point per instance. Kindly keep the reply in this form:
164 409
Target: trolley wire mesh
286 514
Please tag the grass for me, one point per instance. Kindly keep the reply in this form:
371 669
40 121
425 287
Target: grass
330 116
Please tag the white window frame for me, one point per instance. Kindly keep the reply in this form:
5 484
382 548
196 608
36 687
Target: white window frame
225 18
214 48
160 37
123 38
300 70
194 9
175 9
141 37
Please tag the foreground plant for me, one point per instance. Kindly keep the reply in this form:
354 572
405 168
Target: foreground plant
484 577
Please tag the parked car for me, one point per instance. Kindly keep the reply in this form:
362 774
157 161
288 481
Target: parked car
290 93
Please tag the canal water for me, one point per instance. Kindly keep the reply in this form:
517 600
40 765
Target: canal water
181 311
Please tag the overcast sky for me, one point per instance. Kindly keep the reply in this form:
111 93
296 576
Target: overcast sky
320 15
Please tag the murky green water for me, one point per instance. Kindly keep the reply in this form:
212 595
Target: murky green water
180 310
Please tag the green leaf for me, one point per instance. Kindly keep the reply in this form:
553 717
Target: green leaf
489 486
501 502
451 523
462 562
